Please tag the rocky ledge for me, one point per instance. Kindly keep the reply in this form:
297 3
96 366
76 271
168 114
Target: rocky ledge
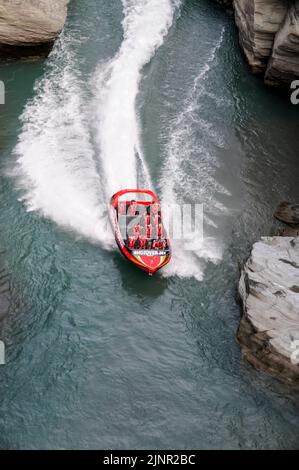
269 291
29 27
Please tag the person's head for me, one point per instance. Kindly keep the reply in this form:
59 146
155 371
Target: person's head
133 201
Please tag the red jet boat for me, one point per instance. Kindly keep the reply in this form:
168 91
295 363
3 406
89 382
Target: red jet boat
138 229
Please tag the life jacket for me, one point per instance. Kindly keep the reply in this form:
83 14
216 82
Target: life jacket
142 243
159 230
147 219
159 244
136 230
149 231
132 209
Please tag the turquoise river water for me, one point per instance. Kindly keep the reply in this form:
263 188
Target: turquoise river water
98 355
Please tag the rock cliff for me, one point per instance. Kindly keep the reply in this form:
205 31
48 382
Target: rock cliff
269 37
269 290
26 25
283 66
258 22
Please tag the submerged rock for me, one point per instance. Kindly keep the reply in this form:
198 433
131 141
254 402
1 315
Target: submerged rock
28 27
287 213
269 291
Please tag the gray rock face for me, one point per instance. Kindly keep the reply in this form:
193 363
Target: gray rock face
258 21
269 36
283 66
269 290
30 23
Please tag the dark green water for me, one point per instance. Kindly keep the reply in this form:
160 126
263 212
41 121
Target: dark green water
98 355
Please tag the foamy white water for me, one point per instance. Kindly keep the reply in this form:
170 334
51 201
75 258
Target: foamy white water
55 157
145 24
55 165
196 186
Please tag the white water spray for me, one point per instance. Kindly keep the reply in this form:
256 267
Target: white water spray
55 156
55 166
145 24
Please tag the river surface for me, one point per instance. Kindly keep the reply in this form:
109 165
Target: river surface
98 355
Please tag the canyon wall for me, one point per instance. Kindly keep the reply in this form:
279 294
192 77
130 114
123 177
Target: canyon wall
258 22
269 291
283 66
269 37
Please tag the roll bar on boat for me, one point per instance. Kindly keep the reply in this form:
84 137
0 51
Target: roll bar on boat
116 196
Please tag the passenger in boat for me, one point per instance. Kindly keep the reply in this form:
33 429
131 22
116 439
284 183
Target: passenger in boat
158 244
131 243
155 208
164 244
147 217
132 208
157 218
149 231
136 230
142 242
159 230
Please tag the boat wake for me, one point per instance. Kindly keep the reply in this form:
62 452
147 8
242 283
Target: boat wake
75 150
189 177
55 166
66 173
145 24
